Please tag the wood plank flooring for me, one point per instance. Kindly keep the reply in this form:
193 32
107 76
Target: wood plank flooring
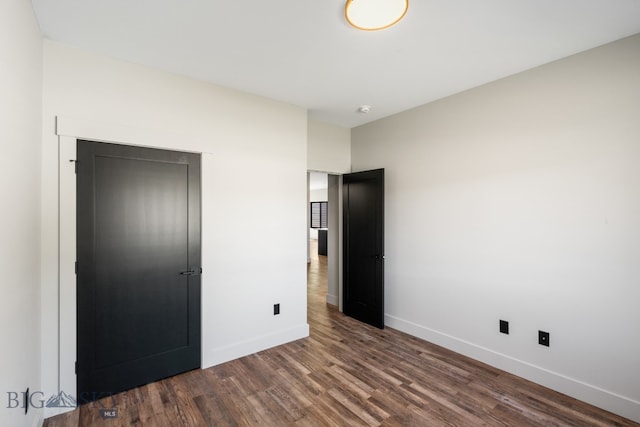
344 374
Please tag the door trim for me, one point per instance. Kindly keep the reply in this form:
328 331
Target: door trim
67 318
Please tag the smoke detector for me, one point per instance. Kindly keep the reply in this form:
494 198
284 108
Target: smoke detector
364 109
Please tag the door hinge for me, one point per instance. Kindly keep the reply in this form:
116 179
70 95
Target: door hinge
76 166
76 267
76 367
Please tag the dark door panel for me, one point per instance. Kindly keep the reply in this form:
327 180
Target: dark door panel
138 213
363 194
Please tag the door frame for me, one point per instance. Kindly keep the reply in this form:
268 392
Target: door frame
335 264
68 132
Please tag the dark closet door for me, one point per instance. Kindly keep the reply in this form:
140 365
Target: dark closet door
138 282
363 287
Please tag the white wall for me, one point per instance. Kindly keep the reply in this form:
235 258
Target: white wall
329 148
520 200
20 115
247 266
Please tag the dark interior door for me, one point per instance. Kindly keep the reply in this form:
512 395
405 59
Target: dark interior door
363 287
138 282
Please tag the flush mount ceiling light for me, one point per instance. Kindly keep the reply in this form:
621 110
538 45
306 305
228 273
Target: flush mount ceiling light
371 15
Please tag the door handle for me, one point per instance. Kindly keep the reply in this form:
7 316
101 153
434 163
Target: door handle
191 272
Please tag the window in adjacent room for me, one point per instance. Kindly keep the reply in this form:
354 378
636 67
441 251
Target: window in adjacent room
319 212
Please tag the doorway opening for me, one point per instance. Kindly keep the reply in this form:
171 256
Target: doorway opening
324 228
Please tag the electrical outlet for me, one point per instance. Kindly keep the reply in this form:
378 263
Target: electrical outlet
504 327
276 309
543 338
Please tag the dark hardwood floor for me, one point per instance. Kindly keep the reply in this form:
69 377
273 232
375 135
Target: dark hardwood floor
345 374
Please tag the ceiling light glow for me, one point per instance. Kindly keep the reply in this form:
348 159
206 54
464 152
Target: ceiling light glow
371 15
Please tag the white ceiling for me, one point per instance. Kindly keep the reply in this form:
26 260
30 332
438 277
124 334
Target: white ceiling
302 52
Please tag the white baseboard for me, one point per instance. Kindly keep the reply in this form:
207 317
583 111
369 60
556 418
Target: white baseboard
332 299
593 395
216 356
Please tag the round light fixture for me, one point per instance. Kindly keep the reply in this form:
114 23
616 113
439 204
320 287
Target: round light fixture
371 15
